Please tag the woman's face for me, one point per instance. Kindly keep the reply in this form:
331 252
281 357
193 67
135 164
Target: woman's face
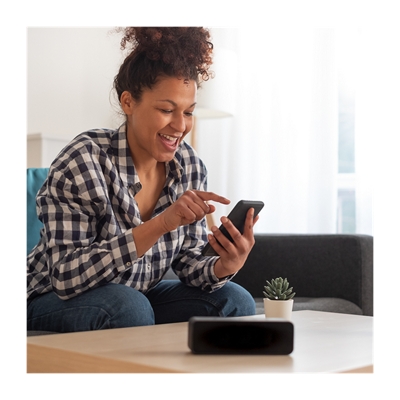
161 119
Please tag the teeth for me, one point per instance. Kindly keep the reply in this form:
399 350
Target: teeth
168 137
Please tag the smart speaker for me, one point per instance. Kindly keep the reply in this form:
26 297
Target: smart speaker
233 335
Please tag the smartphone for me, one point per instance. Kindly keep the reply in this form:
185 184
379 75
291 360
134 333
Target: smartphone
238 217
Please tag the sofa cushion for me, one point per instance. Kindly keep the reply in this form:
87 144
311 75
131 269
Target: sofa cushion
34 181
40 333
328 304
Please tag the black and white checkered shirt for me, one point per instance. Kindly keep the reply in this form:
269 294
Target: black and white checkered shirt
88 209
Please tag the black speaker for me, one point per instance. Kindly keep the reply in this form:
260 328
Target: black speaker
230 335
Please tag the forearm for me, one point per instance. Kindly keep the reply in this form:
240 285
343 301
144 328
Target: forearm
148 233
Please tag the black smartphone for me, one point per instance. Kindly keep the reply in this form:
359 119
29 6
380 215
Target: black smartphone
238 218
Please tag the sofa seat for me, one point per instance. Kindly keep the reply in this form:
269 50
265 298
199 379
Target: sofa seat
331 272
40 333
328 304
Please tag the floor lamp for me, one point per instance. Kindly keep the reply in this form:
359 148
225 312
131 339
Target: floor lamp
216 97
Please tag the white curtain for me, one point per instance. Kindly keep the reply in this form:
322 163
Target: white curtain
281 144
365 115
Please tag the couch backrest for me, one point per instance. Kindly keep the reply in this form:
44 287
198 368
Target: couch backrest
335 265
35 178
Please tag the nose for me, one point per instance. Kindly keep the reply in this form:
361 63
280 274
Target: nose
178 123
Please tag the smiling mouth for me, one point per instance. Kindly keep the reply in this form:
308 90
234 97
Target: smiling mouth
170 140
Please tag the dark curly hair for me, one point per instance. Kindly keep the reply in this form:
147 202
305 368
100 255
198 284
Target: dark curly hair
183 52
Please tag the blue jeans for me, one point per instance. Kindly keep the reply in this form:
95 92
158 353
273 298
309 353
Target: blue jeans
119 306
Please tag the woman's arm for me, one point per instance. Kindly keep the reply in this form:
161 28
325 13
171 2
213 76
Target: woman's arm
81 252
72 216
190 207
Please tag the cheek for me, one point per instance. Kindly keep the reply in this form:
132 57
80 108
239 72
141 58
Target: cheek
152 125
158 121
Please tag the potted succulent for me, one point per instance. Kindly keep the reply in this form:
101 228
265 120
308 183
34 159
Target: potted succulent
278 299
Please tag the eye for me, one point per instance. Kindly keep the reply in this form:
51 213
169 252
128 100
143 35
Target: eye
165 111
189 114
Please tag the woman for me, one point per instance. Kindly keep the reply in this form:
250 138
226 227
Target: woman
121 207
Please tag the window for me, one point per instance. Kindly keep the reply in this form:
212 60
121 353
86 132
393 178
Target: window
346 209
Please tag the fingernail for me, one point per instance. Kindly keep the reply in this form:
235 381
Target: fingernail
224 220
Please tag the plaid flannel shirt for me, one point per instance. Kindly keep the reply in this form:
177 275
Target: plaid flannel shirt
88 209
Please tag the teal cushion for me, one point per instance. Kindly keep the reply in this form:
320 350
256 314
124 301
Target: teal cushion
35 178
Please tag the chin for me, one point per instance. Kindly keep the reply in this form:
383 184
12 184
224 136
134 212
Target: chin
166 158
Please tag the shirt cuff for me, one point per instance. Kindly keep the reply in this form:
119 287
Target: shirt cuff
123 249
220 280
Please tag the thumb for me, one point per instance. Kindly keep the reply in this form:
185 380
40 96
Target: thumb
211 208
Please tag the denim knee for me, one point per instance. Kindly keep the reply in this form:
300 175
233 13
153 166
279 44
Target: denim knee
239 302
125 307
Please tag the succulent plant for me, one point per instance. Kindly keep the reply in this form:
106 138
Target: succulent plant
278 289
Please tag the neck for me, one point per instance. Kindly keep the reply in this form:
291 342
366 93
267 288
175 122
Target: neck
144 164
147 167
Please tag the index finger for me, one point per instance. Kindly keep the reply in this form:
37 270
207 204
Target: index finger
210 196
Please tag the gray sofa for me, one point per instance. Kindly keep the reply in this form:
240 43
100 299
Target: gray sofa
332 273
328 272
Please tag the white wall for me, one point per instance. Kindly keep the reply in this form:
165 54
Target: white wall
70 77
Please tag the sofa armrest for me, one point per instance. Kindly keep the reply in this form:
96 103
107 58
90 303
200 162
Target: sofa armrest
339 266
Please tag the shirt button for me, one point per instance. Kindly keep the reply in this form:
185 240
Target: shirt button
148 266
128 264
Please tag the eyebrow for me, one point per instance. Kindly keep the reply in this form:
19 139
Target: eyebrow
174 104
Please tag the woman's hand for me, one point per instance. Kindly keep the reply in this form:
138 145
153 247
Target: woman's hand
232 254
190 207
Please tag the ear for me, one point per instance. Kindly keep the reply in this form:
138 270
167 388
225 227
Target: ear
127 102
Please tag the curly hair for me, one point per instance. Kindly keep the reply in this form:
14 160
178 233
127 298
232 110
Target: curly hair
183 52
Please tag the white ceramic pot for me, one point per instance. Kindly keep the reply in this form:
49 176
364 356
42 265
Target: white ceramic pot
278 308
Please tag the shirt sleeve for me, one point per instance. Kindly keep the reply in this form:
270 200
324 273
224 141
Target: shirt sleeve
71 207
192 267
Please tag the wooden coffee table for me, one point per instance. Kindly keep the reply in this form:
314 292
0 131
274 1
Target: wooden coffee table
323 342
